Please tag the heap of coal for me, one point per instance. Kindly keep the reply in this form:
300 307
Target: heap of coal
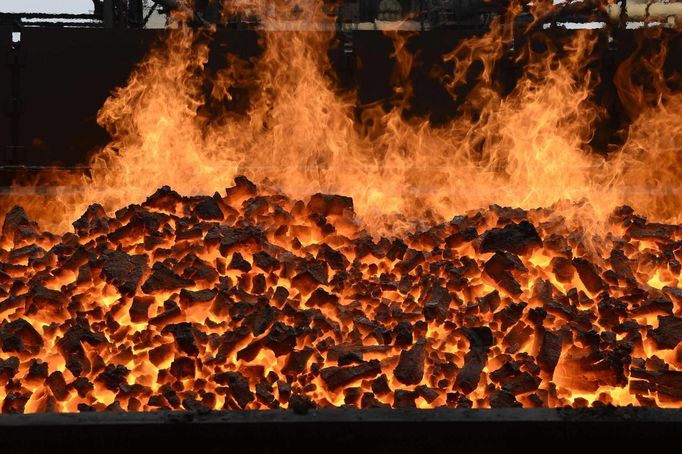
250 300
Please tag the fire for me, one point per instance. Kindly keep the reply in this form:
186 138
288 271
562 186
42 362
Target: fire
280 294
527 148
214 302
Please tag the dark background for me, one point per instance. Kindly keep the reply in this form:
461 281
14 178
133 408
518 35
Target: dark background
67 74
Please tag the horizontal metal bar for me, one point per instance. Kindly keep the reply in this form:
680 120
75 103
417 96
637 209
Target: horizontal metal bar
47 168
83 25
350 431
48 15
341 415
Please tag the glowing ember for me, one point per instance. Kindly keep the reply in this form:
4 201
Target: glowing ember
253 300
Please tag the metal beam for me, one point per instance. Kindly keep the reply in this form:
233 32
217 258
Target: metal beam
108 13
618 429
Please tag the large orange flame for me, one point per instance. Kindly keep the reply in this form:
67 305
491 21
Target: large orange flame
529 148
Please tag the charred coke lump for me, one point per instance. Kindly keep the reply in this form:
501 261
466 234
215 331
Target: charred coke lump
251 300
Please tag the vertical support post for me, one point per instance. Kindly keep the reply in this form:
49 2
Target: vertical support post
135 14
348 21
108 13
14 152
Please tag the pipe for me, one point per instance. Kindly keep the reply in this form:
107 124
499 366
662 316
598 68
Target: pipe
646 11
180 5
168 4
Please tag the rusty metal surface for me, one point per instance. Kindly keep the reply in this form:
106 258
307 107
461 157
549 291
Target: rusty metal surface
345 430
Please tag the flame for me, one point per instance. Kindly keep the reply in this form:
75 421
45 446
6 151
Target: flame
528 148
